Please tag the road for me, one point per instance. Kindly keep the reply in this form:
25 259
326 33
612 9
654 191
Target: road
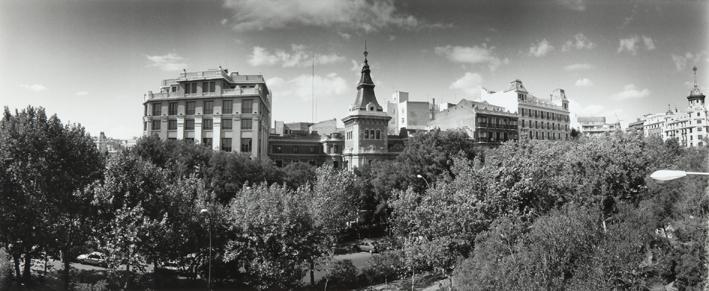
359 260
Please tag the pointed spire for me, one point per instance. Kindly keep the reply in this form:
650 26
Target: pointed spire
695 89
365 87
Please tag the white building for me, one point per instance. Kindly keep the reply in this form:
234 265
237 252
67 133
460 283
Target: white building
404 113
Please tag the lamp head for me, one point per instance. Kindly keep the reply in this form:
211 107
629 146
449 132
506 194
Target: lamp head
667 175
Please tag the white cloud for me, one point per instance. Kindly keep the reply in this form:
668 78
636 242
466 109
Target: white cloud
168 62
81 93
297 57
577 5
472 55
634 43
34 87
361 15
345 35
469 83
649 43
580 42
540 49
584 82
631 92
578 67
301 86
684 61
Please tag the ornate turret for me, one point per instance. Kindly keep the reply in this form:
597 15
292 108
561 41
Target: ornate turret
696 97
366 100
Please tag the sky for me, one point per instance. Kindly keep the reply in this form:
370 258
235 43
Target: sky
91 62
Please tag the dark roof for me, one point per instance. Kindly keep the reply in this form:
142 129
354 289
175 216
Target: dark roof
365 89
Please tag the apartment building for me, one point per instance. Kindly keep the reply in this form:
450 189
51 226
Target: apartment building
215 108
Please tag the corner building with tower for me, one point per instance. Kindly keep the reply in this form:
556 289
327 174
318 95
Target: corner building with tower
366 126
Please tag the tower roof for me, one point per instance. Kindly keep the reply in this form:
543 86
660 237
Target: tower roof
695 91
365 88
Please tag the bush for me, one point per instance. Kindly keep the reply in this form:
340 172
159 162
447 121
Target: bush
384 267
342 274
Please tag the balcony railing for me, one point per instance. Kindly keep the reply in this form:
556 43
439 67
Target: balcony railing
225 92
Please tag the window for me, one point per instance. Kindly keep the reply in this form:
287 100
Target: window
190 88
189 124
155 125
212 86
227 106
377 136
189 109
366 134
277 149
245 145
145 109
226 144
207 141
172 108
522 122
296 149
208 107
172 124
189 140
173 88
246 124
157 109
145 126
247 106
207 124
207 87
226 123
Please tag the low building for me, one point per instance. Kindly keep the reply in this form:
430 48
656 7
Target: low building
592 126
637 126
414 116
221 110
484 122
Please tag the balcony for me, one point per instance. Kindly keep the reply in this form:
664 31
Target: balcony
224 93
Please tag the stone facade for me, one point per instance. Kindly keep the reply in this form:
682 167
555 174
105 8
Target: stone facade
484 122
539 118
593 126
222 110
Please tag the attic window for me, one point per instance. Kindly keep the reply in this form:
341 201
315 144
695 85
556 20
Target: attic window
371 108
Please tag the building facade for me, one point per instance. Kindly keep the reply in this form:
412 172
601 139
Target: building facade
366 126
215 108
690 128
484 122
404 113
593 126
539 118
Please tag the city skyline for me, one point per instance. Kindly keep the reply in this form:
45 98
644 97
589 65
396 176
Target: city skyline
92 61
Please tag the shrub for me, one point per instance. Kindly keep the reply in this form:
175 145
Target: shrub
342 274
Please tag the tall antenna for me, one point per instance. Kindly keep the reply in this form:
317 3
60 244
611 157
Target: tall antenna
695 75
312 90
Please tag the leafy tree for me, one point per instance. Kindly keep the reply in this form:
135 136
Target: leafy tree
44 166
298 174
273 235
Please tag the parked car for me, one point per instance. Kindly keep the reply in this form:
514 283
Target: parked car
94 258
367 245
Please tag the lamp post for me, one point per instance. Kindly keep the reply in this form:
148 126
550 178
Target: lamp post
424 179
662 176
209 271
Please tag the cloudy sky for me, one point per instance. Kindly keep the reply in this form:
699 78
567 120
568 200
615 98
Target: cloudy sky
92 61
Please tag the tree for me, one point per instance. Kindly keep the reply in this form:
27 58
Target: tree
272 235
45 165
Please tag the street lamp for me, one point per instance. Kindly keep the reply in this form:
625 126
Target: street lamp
204 211
424 179
667 175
